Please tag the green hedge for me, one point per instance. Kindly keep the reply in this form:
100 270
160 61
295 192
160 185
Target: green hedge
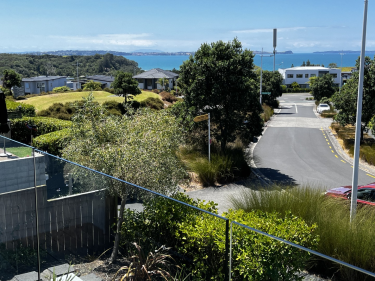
53 142
25 109
199 239
61 89
44 125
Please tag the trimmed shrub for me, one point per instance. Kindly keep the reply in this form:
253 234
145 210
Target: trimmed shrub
61 89
25 109
153 103
53 142
44 125
92 86
109 90
168 97
114 107
156 91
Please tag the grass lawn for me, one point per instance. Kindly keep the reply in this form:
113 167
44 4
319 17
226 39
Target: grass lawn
20 151
43 102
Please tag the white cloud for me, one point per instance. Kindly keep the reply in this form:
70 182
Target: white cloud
110 39
264 30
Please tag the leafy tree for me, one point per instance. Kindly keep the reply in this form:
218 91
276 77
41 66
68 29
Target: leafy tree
138 148
292 65
294 85
219 79
303 64
271 82
163 82
332 65
124 85
10 79
346 100
93 86
308 63
322 87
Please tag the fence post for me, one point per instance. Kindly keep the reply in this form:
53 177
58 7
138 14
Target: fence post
36 216
226 259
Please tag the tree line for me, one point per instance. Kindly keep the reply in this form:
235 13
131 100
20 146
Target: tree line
34 65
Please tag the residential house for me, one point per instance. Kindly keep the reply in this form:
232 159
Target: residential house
106 81
148 79
302 74
36 85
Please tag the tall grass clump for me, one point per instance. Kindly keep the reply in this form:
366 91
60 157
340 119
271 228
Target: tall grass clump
224 166
353 242
267 112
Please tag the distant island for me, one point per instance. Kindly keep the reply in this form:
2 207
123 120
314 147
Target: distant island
342 52
103 52
116 53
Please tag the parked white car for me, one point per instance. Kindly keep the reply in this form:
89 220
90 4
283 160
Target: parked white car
322 107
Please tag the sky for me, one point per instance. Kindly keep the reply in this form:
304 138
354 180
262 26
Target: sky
172 26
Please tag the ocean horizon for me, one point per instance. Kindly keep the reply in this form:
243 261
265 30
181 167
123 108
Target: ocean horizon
282 60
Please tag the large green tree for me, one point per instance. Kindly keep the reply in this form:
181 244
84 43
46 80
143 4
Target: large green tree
10 78
138 148
124 85
271 82
219 79
346 100
322 87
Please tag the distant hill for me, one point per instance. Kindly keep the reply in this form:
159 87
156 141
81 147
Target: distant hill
341 52
103 52
147 51
35 65
280 53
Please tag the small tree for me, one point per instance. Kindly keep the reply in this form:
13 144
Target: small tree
93 86
308 63
124 85
138 148
163 82
271 82
295 86
332 65
322 87
10 79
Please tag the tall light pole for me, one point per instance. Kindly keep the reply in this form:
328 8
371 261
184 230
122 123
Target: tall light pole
261 66
274 47
341 54
358 125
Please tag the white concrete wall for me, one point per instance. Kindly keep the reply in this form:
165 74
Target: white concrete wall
309 71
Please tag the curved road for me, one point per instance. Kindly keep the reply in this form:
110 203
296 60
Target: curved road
295 148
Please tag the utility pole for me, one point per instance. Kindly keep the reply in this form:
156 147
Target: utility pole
274 47
77 76
358 125
341 73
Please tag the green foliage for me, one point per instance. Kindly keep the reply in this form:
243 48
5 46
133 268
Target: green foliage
332 65
271 82
92 86
164 83
61 89
112 91
10 78
153 103
114 107
346 101
44 125
352 242
53 142
125 85
59 111
322 87
267 112
294 85
35 65
219 79
25 109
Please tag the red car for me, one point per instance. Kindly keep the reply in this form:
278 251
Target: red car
365 193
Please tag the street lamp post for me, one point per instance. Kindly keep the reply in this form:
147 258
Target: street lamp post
261 66
341 54
358 125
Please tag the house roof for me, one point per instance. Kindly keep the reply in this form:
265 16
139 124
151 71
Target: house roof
103 78
42 78
156 73
308 68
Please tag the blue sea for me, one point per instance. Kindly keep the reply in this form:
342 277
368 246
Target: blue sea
282 61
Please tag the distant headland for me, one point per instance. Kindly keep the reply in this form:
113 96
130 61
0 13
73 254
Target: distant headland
341 52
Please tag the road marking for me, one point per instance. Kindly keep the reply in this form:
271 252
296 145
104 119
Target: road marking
370 176
332 151
336 156
343 161
330 147
296 108
328 143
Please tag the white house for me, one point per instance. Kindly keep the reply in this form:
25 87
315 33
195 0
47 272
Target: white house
148 79
302 74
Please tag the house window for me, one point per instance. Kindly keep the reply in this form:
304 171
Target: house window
312 75
334 75
27 85
290 76
299 76
306 76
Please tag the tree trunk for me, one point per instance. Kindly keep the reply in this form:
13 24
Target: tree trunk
118 230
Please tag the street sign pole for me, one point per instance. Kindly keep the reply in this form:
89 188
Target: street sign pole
261 65
209 138
358 125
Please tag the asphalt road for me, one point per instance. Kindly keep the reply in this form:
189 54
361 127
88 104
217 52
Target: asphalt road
295 148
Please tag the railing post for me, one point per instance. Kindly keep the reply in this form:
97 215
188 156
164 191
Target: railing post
226 258
36 217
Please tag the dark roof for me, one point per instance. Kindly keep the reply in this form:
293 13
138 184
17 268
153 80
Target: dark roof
42 78
156 73
103 78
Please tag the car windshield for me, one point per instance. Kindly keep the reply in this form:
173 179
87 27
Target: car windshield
324 105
